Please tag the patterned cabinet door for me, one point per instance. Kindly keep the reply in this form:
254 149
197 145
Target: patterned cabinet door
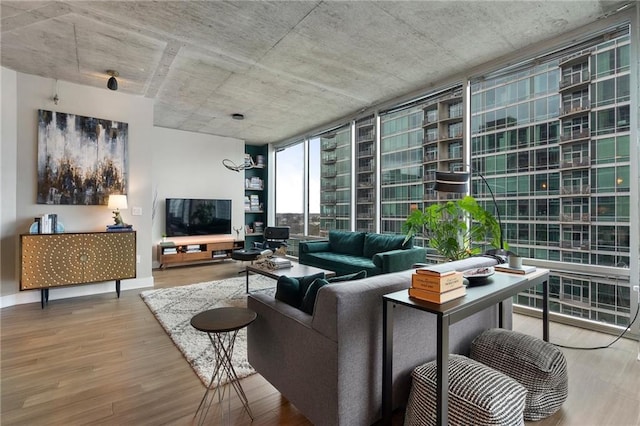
109 256
52 260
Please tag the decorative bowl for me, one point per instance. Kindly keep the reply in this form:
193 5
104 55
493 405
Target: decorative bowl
478 276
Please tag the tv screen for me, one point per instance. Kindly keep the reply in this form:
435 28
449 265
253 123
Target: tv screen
188 216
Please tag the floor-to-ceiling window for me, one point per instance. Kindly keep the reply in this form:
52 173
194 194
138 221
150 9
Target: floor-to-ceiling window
554 138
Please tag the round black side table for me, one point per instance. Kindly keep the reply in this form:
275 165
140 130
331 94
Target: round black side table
222 326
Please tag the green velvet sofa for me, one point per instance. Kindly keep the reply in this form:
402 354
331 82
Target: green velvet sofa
348 252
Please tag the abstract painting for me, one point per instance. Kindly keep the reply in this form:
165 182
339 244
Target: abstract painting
81 160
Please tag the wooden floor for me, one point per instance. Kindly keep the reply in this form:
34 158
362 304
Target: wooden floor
102 360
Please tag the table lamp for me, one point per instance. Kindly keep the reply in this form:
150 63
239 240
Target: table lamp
117 202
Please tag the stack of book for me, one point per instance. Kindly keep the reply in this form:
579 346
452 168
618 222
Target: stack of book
119 228
254 203
437 286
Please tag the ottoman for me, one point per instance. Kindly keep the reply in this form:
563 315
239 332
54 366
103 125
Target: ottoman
538 365
478 395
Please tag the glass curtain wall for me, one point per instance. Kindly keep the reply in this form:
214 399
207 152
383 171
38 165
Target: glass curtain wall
552 139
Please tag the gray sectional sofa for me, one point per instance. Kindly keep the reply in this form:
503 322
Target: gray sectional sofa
329 364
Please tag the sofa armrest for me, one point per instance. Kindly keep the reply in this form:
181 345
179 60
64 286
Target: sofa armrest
314 246
399 260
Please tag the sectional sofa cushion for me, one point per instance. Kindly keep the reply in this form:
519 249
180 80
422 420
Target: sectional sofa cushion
378 243
346 242
309 299
291 290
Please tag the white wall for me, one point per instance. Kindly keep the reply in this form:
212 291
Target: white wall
186 165
189 165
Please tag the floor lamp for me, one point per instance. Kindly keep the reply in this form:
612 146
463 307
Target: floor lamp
458 183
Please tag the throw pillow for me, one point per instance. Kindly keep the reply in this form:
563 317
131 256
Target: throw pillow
349 277
346 242
291 290
379 243
305 282
309 299
288 290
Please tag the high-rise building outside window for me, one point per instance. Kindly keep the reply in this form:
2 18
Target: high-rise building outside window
583 93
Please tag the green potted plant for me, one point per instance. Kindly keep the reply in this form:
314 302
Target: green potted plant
449 230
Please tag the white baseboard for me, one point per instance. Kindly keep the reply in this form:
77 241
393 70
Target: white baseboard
32 296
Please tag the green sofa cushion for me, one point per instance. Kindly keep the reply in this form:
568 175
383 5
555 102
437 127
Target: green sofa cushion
346 242
349 277
309 299
288 290
378 243
291 290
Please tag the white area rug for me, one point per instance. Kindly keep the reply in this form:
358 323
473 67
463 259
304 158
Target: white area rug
174 307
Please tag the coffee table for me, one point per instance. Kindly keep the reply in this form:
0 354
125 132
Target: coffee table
296 270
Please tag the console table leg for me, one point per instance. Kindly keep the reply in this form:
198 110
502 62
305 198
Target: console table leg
545 310
442 372
387 362
118 288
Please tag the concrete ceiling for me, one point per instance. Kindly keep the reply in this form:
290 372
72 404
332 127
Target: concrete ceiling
288 66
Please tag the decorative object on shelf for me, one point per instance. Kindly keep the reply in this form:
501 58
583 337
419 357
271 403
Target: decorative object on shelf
117 202
46 224
238 229
478 276
73 151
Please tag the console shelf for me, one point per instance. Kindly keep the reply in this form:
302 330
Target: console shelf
196 249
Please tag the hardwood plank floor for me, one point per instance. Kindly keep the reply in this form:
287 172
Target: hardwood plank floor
102 360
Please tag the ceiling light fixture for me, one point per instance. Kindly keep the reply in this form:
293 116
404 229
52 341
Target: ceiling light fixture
112 83
237 116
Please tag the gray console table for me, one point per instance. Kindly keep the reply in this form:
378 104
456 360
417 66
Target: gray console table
501 287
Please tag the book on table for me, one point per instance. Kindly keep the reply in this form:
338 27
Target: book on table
437 297
437 284
439 270
526 269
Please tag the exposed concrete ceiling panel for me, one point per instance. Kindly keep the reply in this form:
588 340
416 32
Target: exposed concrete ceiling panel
288 66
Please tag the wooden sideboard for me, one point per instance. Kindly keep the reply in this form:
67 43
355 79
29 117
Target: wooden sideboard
56 260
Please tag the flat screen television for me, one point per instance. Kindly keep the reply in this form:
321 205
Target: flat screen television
190 216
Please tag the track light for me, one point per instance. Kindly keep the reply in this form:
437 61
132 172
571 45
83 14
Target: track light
112 83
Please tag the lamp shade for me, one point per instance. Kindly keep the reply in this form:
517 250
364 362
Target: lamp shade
117 202
456 182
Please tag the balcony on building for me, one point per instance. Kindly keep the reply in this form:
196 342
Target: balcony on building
575 218
575 136
575 58
329 173
574 190
365 151
575 107
329 158
575 81
329 144
584 162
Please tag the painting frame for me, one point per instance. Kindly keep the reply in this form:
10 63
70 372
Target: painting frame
81 160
